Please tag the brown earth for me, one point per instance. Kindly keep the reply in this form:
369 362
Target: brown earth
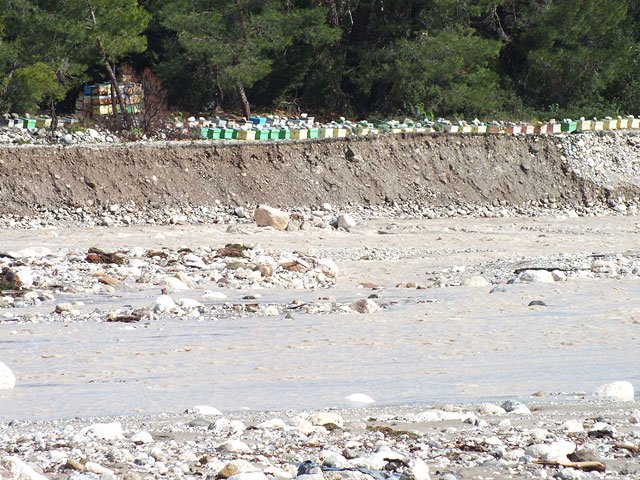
431 169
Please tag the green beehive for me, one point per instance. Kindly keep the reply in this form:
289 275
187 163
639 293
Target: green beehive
29 123
284 134
228 134
569 126
263 134
204 132
214 134
313 133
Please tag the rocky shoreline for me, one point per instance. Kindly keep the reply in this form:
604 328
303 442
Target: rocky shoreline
570 438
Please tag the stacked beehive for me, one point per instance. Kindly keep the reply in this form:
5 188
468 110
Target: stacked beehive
96 99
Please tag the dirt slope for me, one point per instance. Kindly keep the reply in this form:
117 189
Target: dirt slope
432 169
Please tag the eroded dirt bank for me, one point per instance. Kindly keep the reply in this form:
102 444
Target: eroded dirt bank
431 169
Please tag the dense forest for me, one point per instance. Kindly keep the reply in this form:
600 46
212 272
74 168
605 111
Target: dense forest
457 58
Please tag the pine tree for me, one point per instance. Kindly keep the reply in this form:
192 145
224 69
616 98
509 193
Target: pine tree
235 41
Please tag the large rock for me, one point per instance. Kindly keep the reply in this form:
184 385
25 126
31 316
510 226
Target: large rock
7 378
346 221
616 391
13 468
266 216
552 452
104 431
322 419
536 276
365 305
418 470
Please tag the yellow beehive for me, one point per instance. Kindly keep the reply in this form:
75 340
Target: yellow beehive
299 133
598 125
246 135
585 125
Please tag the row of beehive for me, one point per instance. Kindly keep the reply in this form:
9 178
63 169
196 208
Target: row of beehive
96 99
32 123
364 128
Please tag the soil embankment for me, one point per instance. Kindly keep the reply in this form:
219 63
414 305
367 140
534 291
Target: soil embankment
432 169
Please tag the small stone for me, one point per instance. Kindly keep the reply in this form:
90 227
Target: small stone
475 281
266 216
175 283
204 410
418 470
360 398
210 295
163 304
572 426
66 308
365 305
585 455
7 378
537 303
273 424
234 446
490 409
141 438
73 464
517 408
236 467
553 452
266 271
622 391
104 431
249 476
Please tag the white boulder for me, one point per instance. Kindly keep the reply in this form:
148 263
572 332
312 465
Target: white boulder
536 276
7 378
14 468
266 216
616 391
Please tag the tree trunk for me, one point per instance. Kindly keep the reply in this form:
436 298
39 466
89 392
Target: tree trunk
119 97
54 117
246 108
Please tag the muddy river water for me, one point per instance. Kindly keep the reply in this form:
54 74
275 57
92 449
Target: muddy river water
433 345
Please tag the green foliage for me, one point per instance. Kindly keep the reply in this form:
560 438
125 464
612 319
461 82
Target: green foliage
575 51
448 73
508 58
32 86
235 43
